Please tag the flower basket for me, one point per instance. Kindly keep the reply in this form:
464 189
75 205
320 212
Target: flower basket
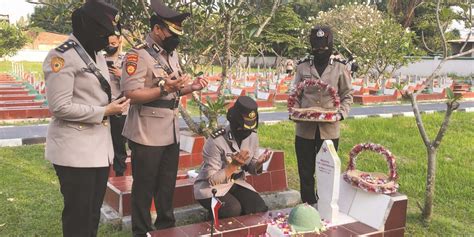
313 114
372 181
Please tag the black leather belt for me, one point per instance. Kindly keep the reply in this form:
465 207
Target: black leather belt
169 104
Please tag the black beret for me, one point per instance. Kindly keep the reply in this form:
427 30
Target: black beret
321 36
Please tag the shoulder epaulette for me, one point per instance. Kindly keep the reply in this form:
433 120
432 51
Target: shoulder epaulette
140 46
218 132
340 61
303 61
66 46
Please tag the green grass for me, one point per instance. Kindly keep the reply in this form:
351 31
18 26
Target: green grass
453 212
6 66
31 204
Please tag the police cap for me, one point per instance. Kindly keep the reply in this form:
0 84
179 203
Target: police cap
246 109
170 17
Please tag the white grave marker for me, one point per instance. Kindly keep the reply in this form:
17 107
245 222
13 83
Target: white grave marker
328 172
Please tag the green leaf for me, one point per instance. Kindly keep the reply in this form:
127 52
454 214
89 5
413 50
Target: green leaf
449 93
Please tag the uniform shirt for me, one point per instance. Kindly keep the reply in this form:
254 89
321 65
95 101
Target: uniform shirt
216 157
149 125
77 135
335 75
115 80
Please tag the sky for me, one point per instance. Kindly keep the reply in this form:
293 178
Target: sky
16 9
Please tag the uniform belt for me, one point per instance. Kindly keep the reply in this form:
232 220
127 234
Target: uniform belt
169 104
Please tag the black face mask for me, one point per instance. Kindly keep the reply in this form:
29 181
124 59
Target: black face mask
171 43
90 34
110 50
321 56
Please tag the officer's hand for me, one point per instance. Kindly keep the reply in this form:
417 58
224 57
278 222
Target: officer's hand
338 117
199 83
173 84
115 71
117 106
240 158
265 156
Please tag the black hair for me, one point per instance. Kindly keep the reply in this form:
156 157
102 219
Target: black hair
155 20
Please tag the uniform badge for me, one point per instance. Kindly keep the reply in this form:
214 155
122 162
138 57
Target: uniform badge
57 63
320 33
131 63
252 115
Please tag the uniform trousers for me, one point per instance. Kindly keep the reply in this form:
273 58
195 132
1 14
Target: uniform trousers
154 170
118 141
238 201
306 150
83 190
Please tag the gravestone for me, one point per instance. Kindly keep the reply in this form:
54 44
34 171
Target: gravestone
328 172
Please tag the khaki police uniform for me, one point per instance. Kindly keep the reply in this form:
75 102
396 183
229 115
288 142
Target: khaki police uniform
115 80
78 141
145 124
335 75
153 133
78 135
217 153
117 121
310 135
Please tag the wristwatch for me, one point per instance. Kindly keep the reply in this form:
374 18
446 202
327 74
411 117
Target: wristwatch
161 84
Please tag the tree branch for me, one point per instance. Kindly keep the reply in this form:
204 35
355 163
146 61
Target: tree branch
441 31
452 105
419 121
145 9
424 43
276 3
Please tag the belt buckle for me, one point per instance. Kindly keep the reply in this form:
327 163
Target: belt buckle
175 103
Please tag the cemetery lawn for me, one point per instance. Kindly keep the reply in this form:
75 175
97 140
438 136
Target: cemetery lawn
31 204
6 66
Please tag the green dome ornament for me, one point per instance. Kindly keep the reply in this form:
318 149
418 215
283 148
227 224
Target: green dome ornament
304 218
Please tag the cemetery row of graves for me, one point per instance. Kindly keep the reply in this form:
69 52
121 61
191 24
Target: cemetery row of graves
22 93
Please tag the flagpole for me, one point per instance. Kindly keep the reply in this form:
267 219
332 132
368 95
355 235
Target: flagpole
214 191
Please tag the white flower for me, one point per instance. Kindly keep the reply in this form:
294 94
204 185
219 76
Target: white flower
10 199
363 39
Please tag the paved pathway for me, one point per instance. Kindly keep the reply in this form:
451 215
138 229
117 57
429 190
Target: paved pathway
39 131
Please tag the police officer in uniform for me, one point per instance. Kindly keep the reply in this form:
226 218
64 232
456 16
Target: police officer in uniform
78 142
227 154
113 56
153 80
310 135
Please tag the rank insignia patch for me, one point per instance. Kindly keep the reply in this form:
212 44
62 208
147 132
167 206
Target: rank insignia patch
131 63
57 63
131 68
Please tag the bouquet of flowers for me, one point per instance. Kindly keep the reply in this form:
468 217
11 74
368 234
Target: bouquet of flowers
313 114
372 181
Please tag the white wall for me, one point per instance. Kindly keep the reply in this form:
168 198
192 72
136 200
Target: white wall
424 67
28 55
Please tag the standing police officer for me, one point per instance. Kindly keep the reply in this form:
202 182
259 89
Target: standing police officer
310 135
153 80
114 57
78 142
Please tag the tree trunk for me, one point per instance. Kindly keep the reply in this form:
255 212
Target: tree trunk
227 52
430 184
